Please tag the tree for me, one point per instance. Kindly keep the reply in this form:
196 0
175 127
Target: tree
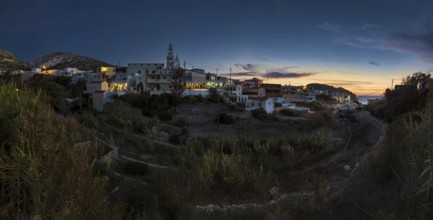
415 79
214 96
177 86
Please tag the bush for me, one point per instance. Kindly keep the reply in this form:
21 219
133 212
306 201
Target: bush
288 112
406 153
260 114
192 99
317 140
179 137
139 126
214 97
121 115
181 122
232 166
165 116
133 168
225 118
88 119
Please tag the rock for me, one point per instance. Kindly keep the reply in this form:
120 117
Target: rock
347 168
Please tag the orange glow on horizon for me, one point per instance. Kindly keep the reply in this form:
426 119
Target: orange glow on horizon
359 84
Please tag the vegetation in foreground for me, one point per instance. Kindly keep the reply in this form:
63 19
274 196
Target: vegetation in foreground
35 183
44 172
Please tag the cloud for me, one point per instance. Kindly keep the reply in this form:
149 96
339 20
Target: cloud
418 43
260 70
278 75
263 68
347 82
330 27
272 75
374 63
369 26
240 74
248 67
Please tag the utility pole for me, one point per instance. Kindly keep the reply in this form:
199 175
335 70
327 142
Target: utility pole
392 83
218 104
183 77
230 75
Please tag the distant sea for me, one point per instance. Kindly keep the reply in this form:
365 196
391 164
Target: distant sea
364 99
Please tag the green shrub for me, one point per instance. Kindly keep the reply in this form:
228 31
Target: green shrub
165 116
277 104
225 118
134 168
214 96
287 150
260 114
288 112
229 165
181 122
147 146
121 115
175 188
139 125
179 137
317 140
88 119
192 99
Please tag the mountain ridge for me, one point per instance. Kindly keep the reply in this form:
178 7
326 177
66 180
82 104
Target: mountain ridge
61 60
54 60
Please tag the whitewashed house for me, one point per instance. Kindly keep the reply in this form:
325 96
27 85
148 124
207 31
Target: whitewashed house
93 86
255 103
232 93
100 98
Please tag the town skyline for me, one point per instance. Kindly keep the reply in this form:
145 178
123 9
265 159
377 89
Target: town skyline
364 47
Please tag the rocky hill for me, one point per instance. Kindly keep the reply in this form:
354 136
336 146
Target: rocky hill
60 60
318 86
9 62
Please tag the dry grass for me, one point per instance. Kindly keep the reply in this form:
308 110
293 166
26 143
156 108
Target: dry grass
43 172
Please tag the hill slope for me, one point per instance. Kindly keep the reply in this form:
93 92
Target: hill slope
60 60
8 61
318 86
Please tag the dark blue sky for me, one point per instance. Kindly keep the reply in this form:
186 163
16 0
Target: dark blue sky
352 43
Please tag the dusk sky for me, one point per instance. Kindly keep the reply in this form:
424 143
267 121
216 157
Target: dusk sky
357 44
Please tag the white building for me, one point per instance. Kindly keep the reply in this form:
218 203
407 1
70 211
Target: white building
100 98
341 97
194 80
146 77
86 76
94 86
304 96
233 94
151 78
36 70
255 103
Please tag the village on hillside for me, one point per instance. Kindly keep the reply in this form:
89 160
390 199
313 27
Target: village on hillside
156 78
